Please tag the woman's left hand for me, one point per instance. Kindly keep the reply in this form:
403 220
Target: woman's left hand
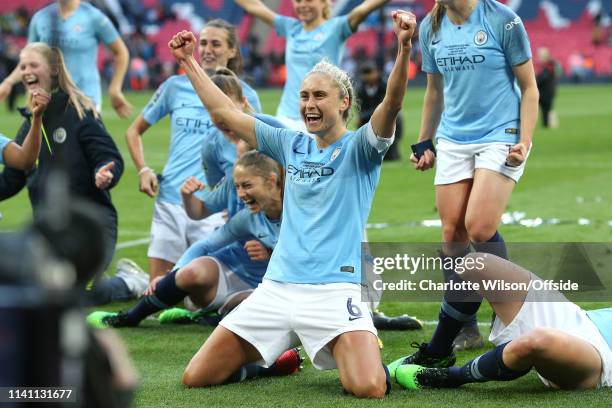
517 155
40 101
404 26
104 176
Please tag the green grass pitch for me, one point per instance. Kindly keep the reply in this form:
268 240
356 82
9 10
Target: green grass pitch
567 177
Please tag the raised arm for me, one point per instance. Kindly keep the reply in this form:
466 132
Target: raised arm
383 119
220 107
24 157
359 13
258 9
194 207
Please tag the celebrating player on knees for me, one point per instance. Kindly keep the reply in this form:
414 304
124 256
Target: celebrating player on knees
311 290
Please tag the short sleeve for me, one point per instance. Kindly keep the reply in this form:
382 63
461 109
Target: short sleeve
159 105
105 31
428 61
283 24
373 146
4 141
273 142
343 27
32 32
511 34
251 96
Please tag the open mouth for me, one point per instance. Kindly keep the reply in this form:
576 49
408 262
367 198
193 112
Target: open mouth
251 204
313 119
30 81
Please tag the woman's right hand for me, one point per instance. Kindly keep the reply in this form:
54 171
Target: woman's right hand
148 182
182 45
426 162
40 100
191 186
152 286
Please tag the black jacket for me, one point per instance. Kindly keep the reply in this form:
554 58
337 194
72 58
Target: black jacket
80 146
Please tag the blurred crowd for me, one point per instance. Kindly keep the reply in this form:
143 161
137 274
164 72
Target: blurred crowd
137 23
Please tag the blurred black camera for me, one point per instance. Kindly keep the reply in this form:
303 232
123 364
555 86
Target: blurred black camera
44 340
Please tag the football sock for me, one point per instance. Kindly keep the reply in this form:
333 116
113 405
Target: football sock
246 372
387 379
167 294
458 307
486 367
495 245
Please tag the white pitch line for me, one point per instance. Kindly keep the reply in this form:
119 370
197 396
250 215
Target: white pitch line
435 323
130 244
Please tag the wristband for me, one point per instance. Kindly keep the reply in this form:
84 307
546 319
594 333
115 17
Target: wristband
144 170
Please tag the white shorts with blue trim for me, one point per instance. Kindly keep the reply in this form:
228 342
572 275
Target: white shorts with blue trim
229 285
456 162
278 316
172 231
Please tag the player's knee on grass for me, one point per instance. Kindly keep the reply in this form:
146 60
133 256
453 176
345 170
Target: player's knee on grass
368 385
198 378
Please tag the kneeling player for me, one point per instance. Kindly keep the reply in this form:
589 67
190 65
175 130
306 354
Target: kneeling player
569 348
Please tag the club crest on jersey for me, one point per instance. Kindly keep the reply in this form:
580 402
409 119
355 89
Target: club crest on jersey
77 28
59 135
335 154
318 37
481 38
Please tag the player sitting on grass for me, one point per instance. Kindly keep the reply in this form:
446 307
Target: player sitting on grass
568 347
311 291
207 271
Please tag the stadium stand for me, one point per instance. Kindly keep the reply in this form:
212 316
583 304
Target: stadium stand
575 31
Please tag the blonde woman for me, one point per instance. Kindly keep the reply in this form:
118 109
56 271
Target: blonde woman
313 36
74 138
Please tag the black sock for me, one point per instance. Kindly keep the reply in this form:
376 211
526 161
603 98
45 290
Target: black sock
167 294
248 371
387 379
494 245
458 308
486 367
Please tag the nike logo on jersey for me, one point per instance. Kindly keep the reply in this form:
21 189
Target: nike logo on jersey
297 152
355 318
435 42
262 235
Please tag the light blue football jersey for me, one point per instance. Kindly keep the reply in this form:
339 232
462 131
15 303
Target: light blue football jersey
226 243
303 50
327 200
602 318
219 154
78 37
3 142
481 96
221 197
190 125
